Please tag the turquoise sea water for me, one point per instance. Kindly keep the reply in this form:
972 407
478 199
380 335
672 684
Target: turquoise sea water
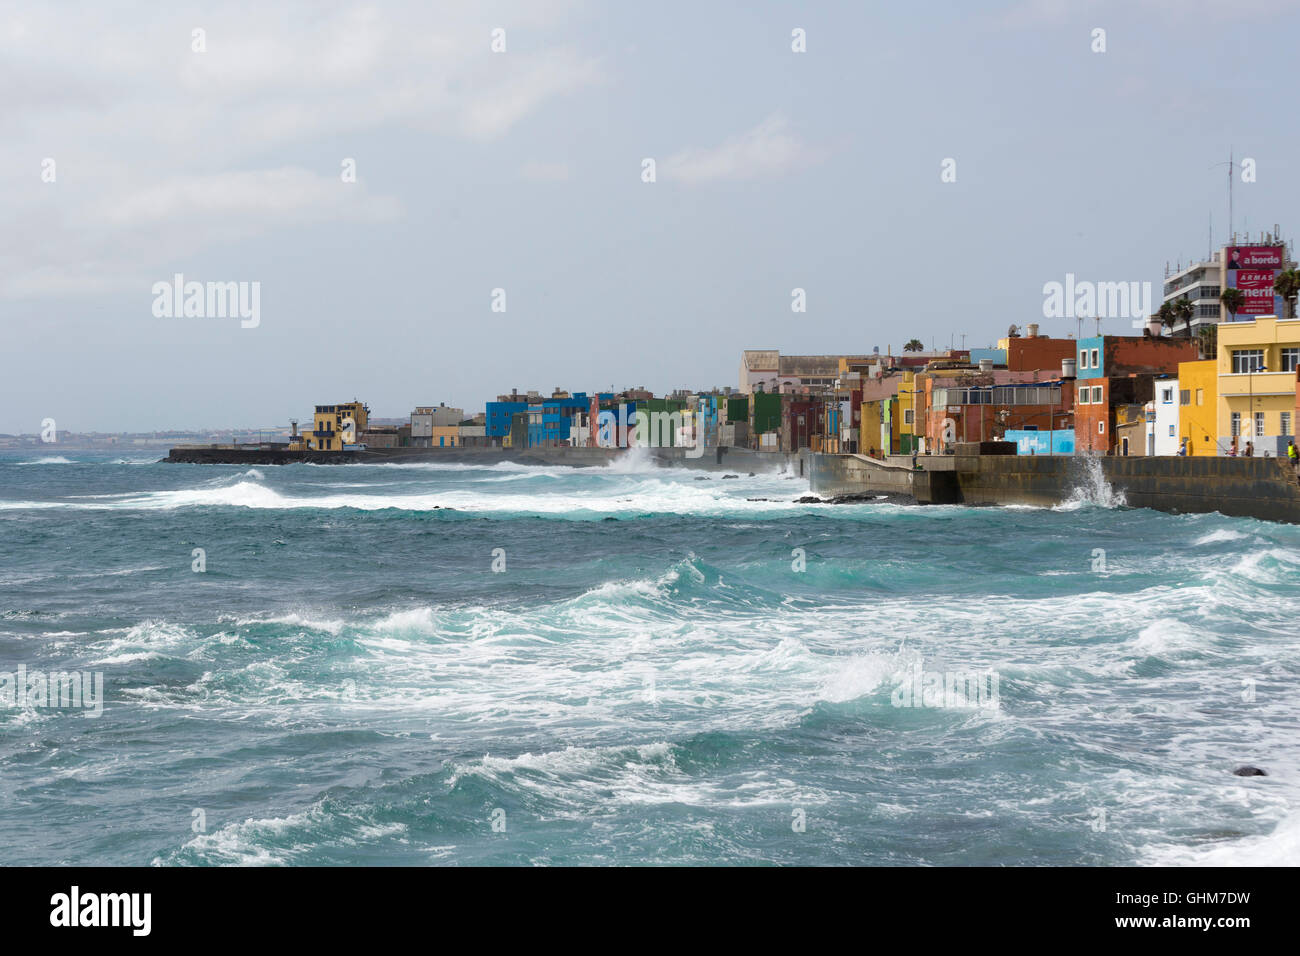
648 681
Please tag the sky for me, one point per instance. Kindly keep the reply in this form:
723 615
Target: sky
136 149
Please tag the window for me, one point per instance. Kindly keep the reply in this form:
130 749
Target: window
907 416
1171 430
1246 360
1236 424
1083 358
1166 396
1259 425
1185 396
1096 395
1200 396
1101 428
1286 424
1096 358
1290 359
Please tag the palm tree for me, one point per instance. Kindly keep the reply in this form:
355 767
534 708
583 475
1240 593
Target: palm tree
1184 310
1166 316
1232 300
916 345
1287 285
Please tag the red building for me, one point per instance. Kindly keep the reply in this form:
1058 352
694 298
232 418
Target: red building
1117 370
1038 353
973 406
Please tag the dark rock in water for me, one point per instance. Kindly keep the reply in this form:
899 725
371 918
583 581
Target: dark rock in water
703 478
856 498
751 474
611 519
1249 772
762 499
731 476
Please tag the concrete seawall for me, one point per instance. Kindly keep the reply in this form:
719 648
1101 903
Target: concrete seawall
1264 488
737 460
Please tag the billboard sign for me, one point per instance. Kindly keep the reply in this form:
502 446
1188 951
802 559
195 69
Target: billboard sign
1252 269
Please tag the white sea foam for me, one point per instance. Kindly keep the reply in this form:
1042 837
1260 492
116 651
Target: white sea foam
1093 490
1220 535
649 495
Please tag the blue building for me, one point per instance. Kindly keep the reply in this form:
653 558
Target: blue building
552 425
1091 356
499 415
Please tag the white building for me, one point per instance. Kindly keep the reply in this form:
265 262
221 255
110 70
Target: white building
1162 418
427 417
1204 281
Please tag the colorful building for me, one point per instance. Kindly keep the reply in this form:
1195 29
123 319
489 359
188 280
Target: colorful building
499 415
1257 364
975 405
333 426
1115 370
907 432
1162 435
765 419
1198 406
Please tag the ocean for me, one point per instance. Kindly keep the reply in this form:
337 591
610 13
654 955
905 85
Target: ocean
424 663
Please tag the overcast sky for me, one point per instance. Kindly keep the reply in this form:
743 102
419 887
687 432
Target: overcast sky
522 171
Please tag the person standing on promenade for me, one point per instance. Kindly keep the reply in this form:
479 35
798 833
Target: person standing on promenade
1293 453
1250 449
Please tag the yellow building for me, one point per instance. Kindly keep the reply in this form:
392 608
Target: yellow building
444 436
1198 406
1257 363
335 425
905 427
879 431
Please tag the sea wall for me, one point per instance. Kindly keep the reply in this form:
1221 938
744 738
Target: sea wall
737 460
1264 488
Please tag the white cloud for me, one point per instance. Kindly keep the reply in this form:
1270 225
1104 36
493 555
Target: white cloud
769 149
116 241
163 151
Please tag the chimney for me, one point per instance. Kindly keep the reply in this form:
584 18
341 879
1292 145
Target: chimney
1031 330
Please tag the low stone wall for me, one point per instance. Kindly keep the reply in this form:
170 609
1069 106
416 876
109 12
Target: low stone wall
733 460
1264 488
858 474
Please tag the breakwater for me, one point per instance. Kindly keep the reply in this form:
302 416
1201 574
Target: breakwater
1264 488
741 460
